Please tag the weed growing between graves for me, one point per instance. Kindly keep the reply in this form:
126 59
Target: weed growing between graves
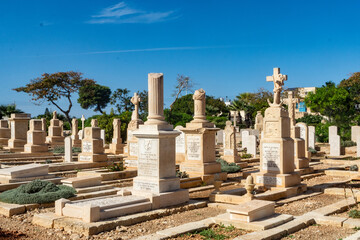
180 174
312 151
37 191
228 167
354 168
61 149
246 155
116 166
216 232
354 213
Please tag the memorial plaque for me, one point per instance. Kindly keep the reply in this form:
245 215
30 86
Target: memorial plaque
302 131
148 157
87 146
228 152
134 149
85 158
268 180
146 186
271 156
193 147
180 143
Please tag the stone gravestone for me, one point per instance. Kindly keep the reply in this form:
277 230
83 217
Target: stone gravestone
251 143
102 136
355 133
290 101
68 149
56 135
333 132
230 150
334 141
312 137
36 138
304 134
358 147
116 146
244 138
132 142
44 126
92 149
200 160
301 161
76 142
82 127
5 133
220 137
180 145
276 146
156 154
19 123
259 119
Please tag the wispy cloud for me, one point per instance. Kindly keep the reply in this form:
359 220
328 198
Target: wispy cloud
122 13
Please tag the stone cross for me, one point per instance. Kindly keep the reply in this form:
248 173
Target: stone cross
156 99
54 115
136 101
94 123
199 104
278 80
290 101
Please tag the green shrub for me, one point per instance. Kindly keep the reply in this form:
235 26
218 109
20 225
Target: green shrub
59 149
348 143
310 120
228 167
209 234
37 191
354 168
354 213
116 166
246 155
313 151
180 174
76 150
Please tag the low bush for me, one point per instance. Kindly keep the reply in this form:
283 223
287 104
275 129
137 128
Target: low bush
37 191
246 155
313 151
348 143
354 213
354 168
228 167
61 149
180 174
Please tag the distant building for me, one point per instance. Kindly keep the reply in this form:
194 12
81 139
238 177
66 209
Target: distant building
301 92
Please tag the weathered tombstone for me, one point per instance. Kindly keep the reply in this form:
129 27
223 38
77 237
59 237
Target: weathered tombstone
102 135
27 172
76 142
244 138
304 134
180 145
355 133
335 146
251 144
5 133
82 127
290 101
19 123
36 138
80 134
230 150
116 146
301 161
132 142
220 137
200 144
333 132
44 126
156 156
259 119
92 149
276 146
312 137
56 136
68 149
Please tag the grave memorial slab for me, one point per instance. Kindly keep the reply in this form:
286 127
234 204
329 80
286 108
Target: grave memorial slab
276 145
304 134
19 123
56 134
24 173
76 142
36 138
312 137
259 120
334 141
301 161
116 146
200 144
68 149
5 133
132 142
230 150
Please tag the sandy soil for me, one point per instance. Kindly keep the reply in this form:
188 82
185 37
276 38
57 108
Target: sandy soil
323 179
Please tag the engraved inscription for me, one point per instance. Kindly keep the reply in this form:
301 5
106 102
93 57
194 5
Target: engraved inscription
267 180
134 148
302 132
271 156
272 129
148 157
180 143
193 147
85 158
87 146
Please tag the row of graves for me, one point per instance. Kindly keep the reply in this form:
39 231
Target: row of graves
167 169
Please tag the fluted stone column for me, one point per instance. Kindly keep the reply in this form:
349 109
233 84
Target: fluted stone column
156 99
199 106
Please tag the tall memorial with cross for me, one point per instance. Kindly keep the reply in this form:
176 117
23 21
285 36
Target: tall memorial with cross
276 146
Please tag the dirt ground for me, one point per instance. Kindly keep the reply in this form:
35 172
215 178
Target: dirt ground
308 204
215 232
323 179
204 195
321 232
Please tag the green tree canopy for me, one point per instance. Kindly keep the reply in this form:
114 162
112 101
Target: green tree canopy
53 87
94 96
122 100
7 110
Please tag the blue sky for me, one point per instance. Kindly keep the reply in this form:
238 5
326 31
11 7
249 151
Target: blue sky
226 47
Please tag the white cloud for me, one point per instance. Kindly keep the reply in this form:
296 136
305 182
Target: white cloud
121 13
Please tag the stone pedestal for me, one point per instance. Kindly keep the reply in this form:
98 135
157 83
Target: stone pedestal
76 142
92 146
276 146
36 138
19 126
304 134
200 158
116 146
56 135
230 150
5 133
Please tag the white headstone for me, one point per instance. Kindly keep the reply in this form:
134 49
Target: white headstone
358 147
333 131
355 133
220 137
312 137
80 134
180 140
244 138
68 149
251 145
102 135
335 146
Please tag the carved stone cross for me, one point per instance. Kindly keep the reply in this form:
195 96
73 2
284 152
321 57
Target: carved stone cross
278 80
136 101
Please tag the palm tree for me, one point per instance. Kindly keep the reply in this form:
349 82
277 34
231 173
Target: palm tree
7 110
242 103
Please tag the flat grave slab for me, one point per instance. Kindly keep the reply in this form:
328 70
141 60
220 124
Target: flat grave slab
82 182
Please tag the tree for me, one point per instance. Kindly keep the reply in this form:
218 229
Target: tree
122 100
7 110
56 86
183 83
143 106
94 96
